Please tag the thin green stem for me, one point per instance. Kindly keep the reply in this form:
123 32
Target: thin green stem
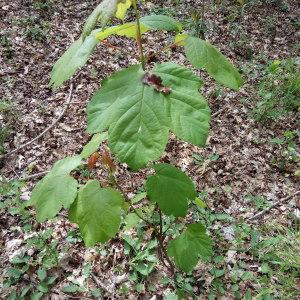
115 183
160 223
167 229
158 232
139 34
161 238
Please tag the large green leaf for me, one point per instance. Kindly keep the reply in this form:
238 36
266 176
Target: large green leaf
97 211
171 189
141 133
105 102
93 145
178 76
138 117
203 55
189 246
188 110
75 57
52 193
56 190
103 12
161 22
135 116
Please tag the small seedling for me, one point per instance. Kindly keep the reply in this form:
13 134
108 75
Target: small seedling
279 91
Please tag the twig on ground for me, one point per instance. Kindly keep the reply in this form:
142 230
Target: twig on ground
60 293
10 72
274 205
104 42
219 111
68 102
75 129
100 284
13 170
34 176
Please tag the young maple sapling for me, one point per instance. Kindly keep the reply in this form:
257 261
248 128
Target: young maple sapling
135 110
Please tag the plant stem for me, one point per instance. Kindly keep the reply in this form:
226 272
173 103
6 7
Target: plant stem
160 223
167 229
161 238
115 183
162 252
138 34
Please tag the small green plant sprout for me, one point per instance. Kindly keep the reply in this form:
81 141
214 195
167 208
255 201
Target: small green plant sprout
135 110
279 91
288 159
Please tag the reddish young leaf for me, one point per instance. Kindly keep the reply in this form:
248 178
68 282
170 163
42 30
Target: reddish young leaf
156 82
108 161
93 160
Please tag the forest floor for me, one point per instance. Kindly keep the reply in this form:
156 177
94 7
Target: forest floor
245 168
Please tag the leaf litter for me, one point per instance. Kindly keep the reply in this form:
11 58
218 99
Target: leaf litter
244 155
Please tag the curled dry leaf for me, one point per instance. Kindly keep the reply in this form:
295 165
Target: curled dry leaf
93 160
156 82
108 161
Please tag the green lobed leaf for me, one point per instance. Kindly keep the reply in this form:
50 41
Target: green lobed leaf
103 12
104 104
93 145
134 114
171 189
189 246
140 135
203 55
161 22
75 57
97 211
56 190
138 117
52 193
188 111
177 76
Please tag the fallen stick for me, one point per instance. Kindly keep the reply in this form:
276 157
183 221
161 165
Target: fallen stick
219 111
67 296
274 205
33 176
68 102
100 284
